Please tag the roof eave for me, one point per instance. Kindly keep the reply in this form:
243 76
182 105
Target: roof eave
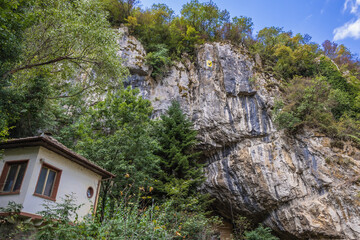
63 151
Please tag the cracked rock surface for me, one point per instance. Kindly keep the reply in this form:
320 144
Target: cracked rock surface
300 186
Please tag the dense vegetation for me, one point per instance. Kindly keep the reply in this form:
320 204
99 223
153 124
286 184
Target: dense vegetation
59 72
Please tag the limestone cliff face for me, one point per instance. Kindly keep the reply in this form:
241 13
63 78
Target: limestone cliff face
300 186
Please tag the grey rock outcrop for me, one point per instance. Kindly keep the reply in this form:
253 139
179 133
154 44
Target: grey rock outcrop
301 186
133 53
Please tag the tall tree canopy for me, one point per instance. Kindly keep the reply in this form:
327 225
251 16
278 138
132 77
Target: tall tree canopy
181 172
116 134
53 53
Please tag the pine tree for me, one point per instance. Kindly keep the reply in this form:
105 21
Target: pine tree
181 172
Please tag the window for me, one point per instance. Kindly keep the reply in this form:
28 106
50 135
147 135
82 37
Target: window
48 182
90 192
12 176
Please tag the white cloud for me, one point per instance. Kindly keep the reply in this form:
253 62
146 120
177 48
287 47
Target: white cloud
353 5
350 29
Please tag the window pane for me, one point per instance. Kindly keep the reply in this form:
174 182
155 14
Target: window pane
10 178
41 181
49 183
20 176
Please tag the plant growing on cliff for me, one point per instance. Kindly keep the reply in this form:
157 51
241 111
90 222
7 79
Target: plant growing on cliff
159 60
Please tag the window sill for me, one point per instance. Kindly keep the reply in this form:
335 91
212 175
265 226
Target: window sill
9 193
45 197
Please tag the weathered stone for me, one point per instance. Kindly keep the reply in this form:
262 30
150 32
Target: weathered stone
297 185
133 53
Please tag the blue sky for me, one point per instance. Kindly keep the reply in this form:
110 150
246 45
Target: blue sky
335 20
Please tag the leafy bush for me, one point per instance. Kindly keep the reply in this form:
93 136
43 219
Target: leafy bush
314 102
241 225
59 220
304 101
159 60
13 225
126 219
260 233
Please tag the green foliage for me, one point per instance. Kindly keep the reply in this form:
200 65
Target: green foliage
126 219
287 120
159 60
64 226
241 225
239 30
342 57
313 102
11 208
13 226
205 17
119 10
318 90
72 37
116 134
197 23
179 160
35 112
306 101
284 54
13 20
242 230
260 233
153 27
188 41
52 51
4 129
132 221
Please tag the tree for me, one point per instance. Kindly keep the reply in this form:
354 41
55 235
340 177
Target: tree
179 159
69 39
116 134
153 26
13 20
67 48
239 30
119 10
206 18
330 49
159 60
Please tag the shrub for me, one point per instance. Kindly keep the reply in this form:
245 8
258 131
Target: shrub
13 225
129 218
159 60
260 233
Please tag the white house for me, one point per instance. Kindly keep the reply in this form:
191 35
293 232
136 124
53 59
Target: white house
39 169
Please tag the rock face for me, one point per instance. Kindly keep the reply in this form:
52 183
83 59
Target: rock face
301 186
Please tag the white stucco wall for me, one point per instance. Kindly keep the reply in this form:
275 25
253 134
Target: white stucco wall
29 153
74 179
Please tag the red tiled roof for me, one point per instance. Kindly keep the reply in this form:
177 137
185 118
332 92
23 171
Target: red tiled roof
55 146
